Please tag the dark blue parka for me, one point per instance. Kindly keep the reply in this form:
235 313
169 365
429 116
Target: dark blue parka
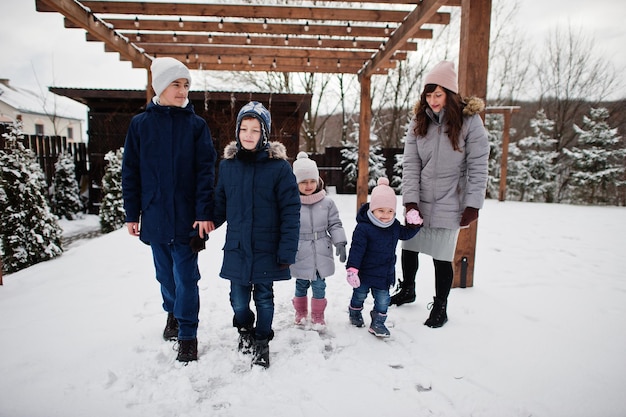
168 172
373 250
258 198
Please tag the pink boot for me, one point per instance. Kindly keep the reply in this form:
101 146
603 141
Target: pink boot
318 305
301 304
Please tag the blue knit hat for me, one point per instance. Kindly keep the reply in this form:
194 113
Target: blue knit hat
259 112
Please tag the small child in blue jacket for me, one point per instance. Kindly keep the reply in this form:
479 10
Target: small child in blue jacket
371 264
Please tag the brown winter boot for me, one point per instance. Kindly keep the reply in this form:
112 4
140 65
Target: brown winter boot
301 304
318 305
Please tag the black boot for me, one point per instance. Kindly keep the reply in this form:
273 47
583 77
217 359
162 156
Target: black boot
405 293
261 353
438 316
171 328
246 340
187 350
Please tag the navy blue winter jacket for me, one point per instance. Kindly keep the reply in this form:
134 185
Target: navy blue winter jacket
258 198
168 172
373 250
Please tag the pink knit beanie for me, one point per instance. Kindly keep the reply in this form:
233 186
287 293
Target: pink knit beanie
443 74
383 196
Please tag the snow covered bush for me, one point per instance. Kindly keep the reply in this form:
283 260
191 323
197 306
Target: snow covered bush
112 208
350 158
30 231
66 195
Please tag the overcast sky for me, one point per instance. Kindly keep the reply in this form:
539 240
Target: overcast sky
37 51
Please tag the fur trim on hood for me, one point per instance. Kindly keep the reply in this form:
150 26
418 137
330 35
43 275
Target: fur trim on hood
275 150
472 105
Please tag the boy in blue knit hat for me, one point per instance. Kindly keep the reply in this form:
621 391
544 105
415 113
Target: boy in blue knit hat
257 196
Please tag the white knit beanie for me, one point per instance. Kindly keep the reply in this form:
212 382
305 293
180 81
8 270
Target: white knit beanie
165 70
443 74
383 196
305 168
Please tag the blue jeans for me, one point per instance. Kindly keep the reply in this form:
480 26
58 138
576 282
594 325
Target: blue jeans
318 287
381 298
240 296
177 271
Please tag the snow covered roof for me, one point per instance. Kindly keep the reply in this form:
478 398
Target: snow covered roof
44 103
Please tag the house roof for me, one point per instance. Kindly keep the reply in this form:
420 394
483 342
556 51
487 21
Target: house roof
42 103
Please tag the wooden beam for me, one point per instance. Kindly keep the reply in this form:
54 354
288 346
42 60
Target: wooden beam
227 11
473 68
144 41
85 19
365 121
411 24
372 30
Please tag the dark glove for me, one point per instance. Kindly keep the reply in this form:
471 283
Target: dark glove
283 266
196 242
470 214
341 251
408 207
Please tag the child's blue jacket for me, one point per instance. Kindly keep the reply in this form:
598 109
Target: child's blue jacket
373 250
168 173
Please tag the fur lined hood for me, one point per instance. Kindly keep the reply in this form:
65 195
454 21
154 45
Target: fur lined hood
472 105
275 150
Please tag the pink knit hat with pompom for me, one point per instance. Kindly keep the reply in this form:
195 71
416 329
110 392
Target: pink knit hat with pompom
383 196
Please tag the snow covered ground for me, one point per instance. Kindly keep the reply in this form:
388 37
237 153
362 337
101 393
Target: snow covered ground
541 333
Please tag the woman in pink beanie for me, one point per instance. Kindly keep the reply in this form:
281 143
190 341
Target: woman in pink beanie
372 259
444 178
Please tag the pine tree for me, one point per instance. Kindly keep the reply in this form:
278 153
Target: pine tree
599 161
30 231
112 208
66 196
534 170
396 179
494 127
350 158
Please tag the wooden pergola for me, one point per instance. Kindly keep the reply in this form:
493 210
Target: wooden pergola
364 37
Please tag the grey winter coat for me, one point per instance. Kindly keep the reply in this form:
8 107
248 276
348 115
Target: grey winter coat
442 181
320 228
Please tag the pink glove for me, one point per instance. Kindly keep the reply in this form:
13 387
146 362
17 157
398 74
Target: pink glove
413 217
353 277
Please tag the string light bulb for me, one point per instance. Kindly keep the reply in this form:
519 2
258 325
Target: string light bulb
221 24
138 37
210 38
306 26
174 37
219 59
319 40
339 63
274 63
264 23
308 62
354 42
348 28
248 40
136 22
180 22
387 29
286 39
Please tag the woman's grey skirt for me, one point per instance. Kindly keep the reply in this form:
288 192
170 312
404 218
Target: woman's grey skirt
436 242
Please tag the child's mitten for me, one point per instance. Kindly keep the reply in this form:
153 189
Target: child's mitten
352 276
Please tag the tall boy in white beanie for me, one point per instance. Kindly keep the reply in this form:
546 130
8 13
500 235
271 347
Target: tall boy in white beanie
168 172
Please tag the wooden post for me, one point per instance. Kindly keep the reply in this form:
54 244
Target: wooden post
473 68
1 271
365 120
506 111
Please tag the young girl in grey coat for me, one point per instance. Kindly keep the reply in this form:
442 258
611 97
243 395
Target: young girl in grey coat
320 229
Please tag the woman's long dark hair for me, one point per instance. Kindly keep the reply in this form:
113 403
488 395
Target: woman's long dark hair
454 114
